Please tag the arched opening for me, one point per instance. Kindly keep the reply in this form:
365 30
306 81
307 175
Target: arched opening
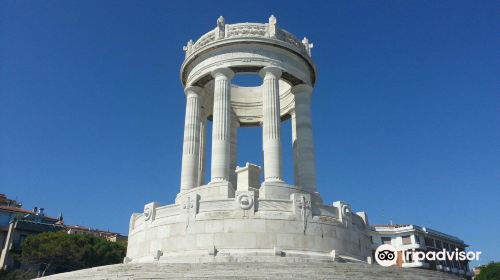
287 151
208 152
249 149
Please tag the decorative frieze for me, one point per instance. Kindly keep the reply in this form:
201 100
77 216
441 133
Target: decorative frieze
241 30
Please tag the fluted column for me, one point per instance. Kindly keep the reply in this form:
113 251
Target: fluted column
235 124
271 124
294 149
203 134
221 129
304 144
191 145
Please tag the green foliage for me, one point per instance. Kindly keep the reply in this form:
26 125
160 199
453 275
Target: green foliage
489 272
61 252
17 275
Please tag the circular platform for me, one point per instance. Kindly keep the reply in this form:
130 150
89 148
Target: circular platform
246 226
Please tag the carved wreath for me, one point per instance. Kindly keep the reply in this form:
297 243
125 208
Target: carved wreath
346 210
148 211
245 201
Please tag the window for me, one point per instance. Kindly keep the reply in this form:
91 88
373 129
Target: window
417 239
386 240
439 244
409 257
17 264
429 242
19 242
22 237
406 240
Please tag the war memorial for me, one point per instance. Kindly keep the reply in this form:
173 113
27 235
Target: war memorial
247 221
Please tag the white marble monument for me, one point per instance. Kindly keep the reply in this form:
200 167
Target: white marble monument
236 216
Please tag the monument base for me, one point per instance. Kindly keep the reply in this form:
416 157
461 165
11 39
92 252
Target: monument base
205 222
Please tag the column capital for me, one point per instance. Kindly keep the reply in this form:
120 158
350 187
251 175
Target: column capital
234 119
300 88
275 71
204 113
223 71
235 122
194 90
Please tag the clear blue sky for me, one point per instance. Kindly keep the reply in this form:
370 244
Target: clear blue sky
406 109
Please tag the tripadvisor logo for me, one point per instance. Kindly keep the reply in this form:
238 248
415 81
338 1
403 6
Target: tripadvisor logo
386 255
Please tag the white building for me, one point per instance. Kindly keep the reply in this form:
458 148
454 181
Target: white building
409 237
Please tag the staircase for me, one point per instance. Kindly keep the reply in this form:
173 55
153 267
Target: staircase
256 270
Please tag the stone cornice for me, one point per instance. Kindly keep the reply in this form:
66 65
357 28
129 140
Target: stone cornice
248 30
302 88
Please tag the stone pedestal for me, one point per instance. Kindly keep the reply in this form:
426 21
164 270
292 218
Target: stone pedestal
248 177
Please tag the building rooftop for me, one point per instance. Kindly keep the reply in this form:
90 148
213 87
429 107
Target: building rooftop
8 202
410 227
93 230
390 226
25 211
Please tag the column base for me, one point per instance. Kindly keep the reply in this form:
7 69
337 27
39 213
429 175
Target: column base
282 190
219 190
211 191
276 190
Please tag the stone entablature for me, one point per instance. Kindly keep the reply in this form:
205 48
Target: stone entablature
222 47
249 30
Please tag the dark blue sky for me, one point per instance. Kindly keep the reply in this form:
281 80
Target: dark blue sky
406 108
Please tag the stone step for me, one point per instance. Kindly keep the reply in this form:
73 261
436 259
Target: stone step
260 270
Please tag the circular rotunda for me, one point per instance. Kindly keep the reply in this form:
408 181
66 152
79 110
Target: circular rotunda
237 215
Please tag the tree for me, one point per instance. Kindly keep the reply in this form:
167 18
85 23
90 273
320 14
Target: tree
61 252
489 272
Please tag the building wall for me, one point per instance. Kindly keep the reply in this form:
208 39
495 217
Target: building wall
421 241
